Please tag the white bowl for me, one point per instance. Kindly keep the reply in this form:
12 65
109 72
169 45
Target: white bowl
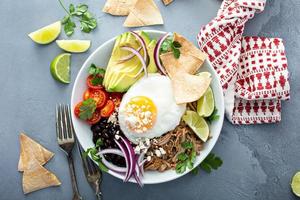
100 57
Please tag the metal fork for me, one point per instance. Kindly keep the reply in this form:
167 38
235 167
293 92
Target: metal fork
92 173
66 140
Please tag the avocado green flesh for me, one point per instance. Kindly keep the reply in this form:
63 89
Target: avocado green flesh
120 76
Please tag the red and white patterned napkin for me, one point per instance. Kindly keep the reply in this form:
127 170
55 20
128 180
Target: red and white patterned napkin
253 70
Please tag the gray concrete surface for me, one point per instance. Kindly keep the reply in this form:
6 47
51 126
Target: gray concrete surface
258 160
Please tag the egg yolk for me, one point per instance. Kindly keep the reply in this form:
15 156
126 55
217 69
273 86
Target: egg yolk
140 114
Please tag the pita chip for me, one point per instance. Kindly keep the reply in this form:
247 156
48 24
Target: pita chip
118 7
37 177
144 13
30 150
185 63
189 48
167 2
189 88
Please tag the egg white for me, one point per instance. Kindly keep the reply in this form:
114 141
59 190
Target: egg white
159 89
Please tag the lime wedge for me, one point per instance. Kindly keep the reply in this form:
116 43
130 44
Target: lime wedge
197 124
206 104
204 74
60 67
46 34
296 184
74 46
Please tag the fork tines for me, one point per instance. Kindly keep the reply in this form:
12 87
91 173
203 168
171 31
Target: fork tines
64 127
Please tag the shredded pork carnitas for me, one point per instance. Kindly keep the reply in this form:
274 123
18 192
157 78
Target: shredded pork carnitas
171 143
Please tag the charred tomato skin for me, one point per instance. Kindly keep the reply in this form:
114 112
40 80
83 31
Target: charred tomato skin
108 109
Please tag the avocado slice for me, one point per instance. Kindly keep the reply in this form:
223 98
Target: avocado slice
120 76
152 66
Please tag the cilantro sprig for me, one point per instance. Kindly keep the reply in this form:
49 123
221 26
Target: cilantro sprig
214 116
170 45
93 152
211 162
87 109
98 74
187 158
86 18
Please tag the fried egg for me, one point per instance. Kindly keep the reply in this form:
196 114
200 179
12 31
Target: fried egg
148 109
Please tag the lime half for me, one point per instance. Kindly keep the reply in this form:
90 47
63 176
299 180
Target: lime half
46 34
74 46
206 104
197 124
296 184
60 67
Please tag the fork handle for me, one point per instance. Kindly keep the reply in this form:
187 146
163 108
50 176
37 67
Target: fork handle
76 195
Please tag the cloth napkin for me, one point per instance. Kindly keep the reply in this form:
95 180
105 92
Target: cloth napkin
252 70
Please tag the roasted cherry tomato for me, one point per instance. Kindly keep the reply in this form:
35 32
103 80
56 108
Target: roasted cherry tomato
95 118
86 94
108 109
90 84
116 97
99 96
77 109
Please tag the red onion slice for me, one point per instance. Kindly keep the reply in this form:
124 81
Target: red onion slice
131 167
128 160
142 42
156 54
128 57
144 66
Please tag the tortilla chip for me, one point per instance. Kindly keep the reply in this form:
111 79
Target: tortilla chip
118 7
189 48
167 2
37 177
144 13
189 88
186 63
30 149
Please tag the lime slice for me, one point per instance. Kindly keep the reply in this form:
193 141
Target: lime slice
46 34
60 67
204 74
74 46
296 184
197 124
206 104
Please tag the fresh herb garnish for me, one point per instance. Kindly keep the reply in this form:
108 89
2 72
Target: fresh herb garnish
211 162
208 164
93 70
86 19
98 74
87 109
187 158
93 152
214 116
170 45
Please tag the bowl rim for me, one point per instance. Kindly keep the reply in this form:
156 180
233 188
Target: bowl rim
208 148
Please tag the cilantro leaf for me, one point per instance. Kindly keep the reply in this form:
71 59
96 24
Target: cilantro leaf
211 162
93 152
87 109
187 158
214 116
86 19
97 80
176 44
187 145
169 45
93 70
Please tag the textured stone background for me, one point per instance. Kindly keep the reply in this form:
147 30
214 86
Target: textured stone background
258 160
